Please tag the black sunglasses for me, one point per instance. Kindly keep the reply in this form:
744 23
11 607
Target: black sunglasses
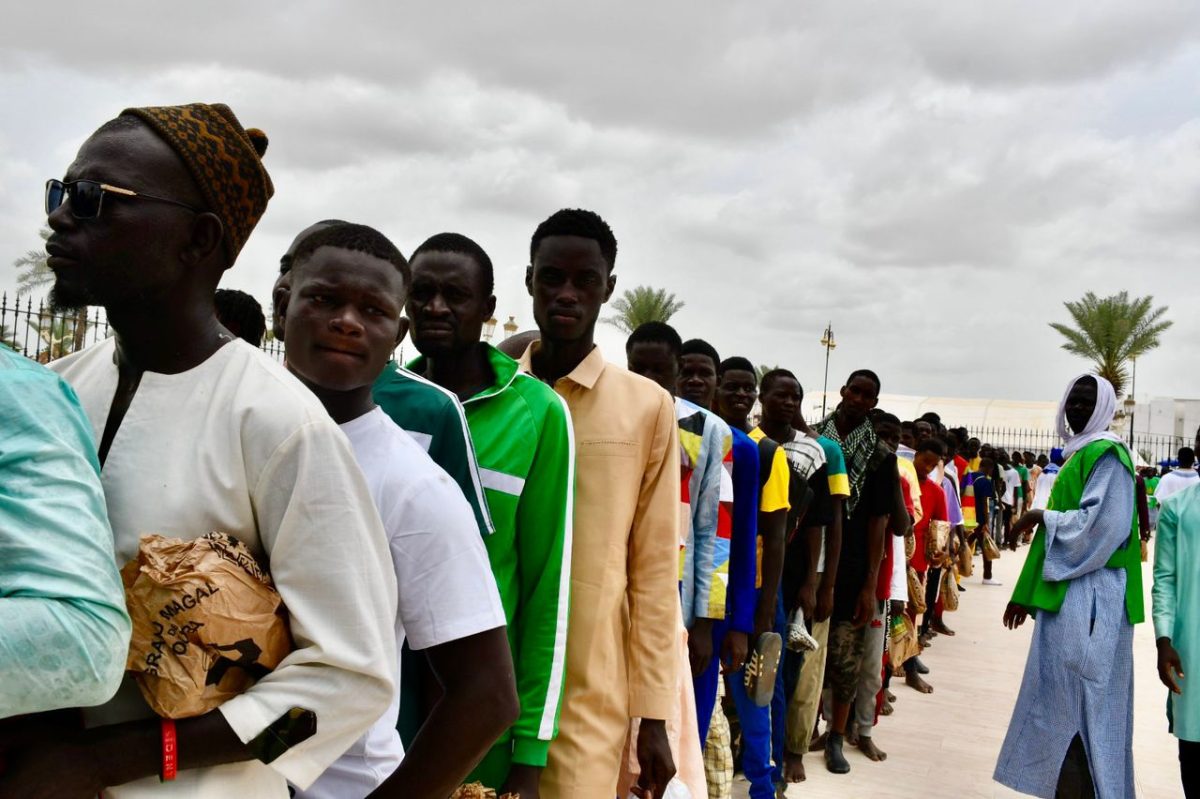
87 196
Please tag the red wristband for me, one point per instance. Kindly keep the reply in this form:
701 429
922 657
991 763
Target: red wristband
170 751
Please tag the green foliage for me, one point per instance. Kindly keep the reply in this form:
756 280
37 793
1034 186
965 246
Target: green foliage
60 335
1111 331
32 269
642 304
761 370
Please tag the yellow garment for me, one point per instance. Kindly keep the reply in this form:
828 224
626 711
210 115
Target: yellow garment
774 495
775 491
622 657
908 473
973 464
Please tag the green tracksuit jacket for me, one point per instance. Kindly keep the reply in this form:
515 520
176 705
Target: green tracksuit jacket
524 444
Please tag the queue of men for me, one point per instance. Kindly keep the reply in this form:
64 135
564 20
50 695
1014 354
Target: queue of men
536 570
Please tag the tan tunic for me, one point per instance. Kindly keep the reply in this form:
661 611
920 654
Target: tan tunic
621 638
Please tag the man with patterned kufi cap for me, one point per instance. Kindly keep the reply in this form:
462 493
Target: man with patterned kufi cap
199 431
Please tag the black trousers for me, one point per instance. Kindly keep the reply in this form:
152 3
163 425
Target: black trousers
933 582
1075 778
1189 768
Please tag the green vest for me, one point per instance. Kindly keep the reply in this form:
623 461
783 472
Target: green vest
1036 593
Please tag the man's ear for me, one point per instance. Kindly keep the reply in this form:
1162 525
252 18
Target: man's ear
529 279
612 285
403 330
874 402
281 298
207 235
490 306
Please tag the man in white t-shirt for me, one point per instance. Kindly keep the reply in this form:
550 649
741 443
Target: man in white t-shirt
1179 478
342 322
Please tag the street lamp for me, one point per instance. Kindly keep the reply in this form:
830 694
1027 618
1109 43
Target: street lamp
489 327
828 343
510 327
1131 402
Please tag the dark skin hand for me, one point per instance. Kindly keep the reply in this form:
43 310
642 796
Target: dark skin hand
1028 521
522 781
654 759
867 601
734 651
1170 666
476 706
1015 615
700 645
104 757
808 591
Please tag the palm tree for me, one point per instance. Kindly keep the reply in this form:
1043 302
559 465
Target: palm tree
642 304
1112 331
59 335
34 273
761 370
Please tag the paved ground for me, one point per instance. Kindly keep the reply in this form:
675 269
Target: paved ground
945 744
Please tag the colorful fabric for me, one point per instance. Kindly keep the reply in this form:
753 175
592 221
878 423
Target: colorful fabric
64 631
835 467
524 445
776 485
718 754
224 159
703 441
735 556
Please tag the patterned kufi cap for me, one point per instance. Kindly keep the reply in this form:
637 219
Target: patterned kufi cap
224 158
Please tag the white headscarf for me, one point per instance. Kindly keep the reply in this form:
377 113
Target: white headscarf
1097 427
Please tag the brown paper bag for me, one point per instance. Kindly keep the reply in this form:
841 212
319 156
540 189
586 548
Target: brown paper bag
916 591
207 622
966 560
902 643
949 589
990 550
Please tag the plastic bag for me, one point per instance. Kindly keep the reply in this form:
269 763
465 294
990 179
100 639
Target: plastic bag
207 622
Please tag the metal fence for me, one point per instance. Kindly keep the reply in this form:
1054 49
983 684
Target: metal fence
43 335
37 332
1153 448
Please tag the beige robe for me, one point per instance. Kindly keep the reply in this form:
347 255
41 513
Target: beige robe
622 656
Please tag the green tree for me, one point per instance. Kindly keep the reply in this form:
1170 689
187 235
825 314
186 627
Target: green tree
642 304
1112 331
761 370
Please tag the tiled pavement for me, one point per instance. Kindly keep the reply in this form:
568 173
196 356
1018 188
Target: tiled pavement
945 744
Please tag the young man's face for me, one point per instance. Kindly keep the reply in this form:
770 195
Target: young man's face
925 462
859 396
1043 461
130 251
1016 459
656 361
447 304
973 448
569 280
922 431
283 283
906 437
890 434
780 401
736 393
343 318
698 380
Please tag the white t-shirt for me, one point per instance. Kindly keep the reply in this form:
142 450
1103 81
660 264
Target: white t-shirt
1012 481
1174 482
238 444
445 582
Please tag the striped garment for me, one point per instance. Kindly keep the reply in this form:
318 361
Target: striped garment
706 494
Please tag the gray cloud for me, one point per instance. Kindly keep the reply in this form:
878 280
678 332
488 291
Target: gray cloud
934 178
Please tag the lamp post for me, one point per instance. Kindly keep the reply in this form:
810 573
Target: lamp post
828 343
1131 401
489 327
510 327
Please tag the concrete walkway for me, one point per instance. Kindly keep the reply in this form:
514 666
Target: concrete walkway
945 744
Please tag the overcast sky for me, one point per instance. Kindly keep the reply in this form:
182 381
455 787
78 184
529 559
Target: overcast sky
934 178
